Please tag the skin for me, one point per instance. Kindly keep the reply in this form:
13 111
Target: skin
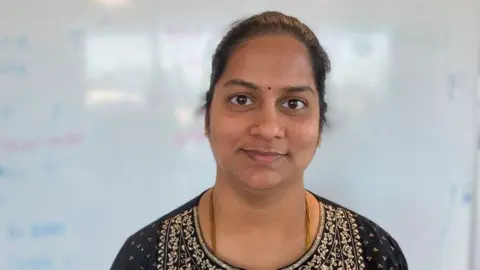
264 131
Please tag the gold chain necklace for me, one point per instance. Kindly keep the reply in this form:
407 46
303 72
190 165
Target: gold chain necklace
213 234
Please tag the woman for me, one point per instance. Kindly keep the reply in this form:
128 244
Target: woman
265 111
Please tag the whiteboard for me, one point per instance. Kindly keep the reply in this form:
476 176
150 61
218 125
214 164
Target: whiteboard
99 136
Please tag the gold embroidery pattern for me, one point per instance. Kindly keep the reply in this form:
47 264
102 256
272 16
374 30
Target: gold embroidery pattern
161 244
357 240
337 246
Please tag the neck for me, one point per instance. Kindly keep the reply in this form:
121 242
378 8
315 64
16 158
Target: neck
240 209
247 223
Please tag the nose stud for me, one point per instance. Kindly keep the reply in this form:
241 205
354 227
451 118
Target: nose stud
252 128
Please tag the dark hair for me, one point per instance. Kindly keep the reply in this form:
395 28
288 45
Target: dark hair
270 22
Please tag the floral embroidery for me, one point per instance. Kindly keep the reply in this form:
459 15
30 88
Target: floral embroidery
337 245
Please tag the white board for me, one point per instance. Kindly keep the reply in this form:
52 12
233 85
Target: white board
98 132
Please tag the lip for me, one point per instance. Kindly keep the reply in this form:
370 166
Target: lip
265 157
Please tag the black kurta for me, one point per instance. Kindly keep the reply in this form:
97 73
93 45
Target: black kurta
345 240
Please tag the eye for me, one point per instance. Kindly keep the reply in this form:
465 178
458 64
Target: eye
294 104
241 100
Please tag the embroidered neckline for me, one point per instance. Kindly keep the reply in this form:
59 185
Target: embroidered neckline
338 243
294 265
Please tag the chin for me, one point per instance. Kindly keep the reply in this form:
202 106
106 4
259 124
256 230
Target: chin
261 180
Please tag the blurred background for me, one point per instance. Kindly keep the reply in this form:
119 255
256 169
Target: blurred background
99 133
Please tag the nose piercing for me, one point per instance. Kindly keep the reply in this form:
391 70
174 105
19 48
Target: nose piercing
252 128
256 125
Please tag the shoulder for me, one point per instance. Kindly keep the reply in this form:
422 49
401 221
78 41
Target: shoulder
140 249
378 248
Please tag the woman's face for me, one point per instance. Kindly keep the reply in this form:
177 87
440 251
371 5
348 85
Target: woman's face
264 117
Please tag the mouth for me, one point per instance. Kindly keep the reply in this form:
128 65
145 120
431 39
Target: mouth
265 157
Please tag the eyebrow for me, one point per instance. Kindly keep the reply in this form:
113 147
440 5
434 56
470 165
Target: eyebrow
252 86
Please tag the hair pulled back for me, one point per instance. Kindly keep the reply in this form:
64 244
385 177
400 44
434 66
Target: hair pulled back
270 22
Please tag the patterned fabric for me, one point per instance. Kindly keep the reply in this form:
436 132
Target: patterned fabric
345 240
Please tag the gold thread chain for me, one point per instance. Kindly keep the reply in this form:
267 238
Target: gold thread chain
213 236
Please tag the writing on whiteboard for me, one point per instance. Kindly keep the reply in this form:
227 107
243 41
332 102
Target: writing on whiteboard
14 41
467 198
49 229
36 230
12 68
63 140
11 173
6 112
8 43
39 263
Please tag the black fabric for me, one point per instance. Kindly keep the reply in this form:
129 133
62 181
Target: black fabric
348 241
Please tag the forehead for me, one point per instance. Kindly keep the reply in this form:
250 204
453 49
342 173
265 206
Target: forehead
273 60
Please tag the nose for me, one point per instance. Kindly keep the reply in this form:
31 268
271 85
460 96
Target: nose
267 125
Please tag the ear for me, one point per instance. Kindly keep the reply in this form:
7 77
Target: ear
319 140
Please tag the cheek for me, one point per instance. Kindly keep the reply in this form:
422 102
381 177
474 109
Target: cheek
225 132
304 136
303 142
